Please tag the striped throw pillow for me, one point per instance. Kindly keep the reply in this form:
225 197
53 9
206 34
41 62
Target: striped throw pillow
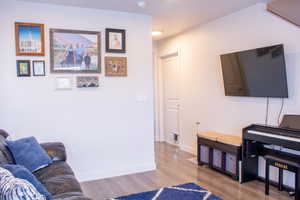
12 188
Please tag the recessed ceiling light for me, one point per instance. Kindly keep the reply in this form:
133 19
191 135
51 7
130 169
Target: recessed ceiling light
141 4
157 33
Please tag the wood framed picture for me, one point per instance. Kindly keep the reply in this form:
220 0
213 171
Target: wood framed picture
30 39
23 68
38 68
74 51
115 40
87 81
115 66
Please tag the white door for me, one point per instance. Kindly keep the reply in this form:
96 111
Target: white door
171 98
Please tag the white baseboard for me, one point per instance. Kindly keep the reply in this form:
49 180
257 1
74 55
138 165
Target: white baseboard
188 149
100 174
184 148
159 140
171 143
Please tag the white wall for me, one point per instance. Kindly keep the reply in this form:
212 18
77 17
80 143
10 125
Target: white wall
107 131
202 89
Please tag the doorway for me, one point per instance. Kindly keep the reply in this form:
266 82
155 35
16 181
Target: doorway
169 99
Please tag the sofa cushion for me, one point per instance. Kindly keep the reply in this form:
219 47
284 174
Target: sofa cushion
12 188
23 173
55 169
58 178
62 184
29 153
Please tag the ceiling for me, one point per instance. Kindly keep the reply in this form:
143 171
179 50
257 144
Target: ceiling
169 16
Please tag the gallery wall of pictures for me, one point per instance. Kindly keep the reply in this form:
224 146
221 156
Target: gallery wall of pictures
71 52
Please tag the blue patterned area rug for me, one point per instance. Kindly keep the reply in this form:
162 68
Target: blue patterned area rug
189 191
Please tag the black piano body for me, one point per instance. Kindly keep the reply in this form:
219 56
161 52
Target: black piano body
255 139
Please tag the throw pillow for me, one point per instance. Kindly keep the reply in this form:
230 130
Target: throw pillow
23 173
29 153
12 188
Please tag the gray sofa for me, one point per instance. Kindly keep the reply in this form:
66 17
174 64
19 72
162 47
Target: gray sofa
58 178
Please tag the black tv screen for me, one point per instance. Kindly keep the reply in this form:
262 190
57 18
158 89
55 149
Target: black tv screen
255 73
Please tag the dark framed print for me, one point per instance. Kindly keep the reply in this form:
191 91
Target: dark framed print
87 81
38 68
115 40
75 51
30 39
115 66
23 68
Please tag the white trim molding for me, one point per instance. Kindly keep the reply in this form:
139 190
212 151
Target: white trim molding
188 149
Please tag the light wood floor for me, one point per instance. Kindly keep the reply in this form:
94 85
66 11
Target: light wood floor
174 169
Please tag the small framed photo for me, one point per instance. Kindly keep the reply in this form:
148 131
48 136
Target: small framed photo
63 83
23 68
87 81
115 40
115 66
38 68
30 39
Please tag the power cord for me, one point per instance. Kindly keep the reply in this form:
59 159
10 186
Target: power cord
280 112
267 111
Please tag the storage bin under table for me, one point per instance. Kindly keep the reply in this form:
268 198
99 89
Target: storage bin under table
220 152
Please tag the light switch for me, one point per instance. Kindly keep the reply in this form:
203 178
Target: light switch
141 98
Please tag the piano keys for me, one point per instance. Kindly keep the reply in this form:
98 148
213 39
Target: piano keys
270 135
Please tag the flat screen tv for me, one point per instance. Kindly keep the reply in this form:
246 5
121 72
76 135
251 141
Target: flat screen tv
256 73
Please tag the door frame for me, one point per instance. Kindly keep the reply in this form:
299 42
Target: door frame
159 95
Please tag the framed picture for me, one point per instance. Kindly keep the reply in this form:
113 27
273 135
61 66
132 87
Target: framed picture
115 40
87 81
30 39
38 68
115 66
73 51
23 68
63 83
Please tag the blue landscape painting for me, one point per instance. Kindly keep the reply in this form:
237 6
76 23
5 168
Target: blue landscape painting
33 32
30 39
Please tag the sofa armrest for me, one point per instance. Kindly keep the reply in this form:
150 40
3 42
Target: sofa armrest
56 150
3 133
